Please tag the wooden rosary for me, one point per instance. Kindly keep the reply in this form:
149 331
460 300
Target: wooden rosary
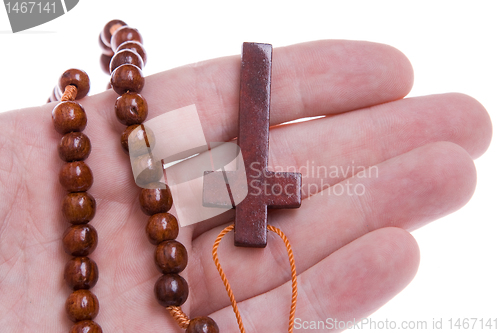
123 58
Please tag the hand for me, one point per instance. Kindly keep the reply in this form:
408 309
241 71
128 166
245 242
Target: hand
353 252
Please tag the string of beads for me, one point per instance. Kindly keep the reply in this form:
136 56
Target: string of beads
125 56
78 206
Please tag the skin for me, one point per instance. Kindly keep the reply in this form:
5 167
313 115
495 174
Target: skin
353 253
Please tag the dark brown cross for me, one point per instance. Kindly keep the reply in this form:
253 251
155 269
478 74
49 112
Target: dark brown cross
265 188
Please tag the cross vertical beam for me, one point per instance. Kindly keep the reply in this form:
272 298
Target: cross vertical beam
265 188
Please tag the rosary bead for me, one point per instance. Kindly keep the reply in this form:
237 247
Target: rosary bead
202 325
125 135
162 227
105 48
105 61
69 116
80 240
106 31
137 142
74 146
151 170
131 108
81 273
124 34
127 78
155 200
82 305
86 326
76 176
125 57
134 46
171 290
78 78
78 207
171 257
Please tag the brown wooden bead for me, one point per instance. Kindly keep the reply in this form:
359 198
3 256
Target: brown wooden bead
78 78
106 31
155 200
69 116
134 46
202 325
131 108
151 170
162 227
82 305
78 207
127 78
76 176
105 61
74 146
171 257
125 135
171 290
125 57
124 34
106 50
81 273
86 326
138 143
80 240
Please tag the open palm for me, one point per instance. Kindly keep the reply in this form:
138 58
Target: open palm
353 252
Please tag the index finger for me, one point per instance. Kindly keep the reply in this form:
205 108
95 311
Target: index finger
309 79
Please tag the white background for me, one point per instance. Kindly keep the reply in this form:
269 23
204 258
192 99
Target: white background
453 46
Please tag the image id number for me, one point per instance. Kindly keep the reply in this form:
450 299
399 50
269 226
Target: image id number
30 7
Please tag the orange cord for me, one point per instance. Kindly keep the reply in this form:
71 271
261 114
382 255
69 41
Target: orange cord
69 93
180 317
293 269
228 287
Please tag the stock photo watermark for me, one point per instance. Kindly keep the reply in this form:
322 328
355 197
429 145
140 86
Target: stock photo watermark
433 324
24 15
335 180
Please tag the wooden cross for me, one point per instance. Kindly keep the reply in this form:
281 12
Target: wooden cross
265 188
